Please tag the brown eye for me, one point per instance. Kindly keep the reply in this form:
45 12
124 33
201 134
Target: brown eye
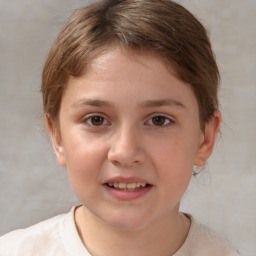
96 120
159 120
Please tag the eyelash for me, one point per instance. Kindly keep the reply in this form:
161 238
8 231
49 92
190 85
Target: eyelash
88 120
167 121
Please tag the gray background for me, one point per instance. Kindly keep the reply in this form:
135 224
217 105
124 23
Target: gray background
34 188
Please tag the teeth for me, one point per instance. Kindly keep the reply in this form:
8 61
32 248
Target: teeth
122 185
127 186
131 186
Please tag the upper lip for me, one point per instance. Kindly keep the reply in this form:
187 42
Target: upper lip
122 179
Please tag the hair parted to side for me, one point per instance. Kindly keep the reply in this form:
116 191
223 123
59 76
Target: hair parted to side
163 27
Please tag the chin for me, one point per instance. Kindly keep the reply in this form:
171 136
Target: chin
127 221
127 226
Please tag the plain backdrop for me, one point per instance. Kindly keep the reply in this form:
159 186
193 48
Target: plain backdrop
33 187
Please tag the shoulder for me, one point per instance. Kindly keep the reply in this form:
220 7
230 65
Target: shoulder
204 241
37 238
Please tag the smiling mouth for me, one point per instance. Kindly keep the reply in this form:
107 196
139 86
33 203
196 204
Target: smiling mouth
127 186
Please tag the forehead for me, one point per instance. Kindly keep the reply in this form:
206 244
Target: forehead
114 62
129 76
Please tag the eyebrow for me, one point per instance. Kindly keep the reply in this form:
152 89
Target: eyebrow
161 102
145 104
91 102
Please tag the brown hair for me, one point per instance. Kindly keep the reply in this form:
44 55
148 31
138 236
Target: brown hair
162 26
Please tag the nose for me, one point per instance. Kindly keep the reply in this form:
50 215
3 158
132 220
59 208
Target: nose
126 148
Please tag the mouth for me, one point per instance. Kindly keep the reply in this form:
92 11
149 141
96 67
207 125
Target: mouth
127 186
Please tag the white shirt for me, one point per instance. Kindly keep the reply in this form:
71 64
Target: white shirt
58 236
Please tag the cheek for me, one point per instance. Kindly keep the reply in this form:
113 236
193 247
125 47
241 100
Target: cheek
174 162
176 155
84 159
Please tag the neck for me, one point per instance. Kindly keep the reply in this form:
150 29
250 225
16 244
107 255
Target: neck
164 237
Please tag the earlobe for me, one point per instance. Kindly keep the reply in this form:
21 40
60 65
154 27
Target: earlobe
56 142
207 144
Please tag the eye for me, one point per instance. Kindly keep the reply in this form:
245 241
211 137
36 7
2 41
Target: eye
160 120
96 120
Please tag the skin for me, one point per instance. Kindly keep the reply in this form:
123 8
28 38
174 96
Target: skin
127 92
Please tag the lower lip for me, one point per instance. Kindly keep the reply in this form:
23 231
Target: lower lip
127 195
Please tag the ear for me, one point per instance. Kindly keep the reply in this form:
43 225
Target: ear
56 142
208 139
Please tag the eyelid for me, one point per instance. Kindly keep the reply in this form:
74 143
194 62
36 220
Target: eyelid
88 116
171 119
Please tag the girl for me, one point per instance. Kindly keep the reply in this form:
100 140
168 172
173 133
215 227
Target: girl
130 100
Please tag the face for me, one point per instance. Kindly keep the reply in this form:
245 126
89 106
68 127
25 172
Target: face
129 136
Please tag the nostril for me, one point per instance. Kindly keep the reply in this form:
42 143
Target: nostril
126 158
121 163
116 163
